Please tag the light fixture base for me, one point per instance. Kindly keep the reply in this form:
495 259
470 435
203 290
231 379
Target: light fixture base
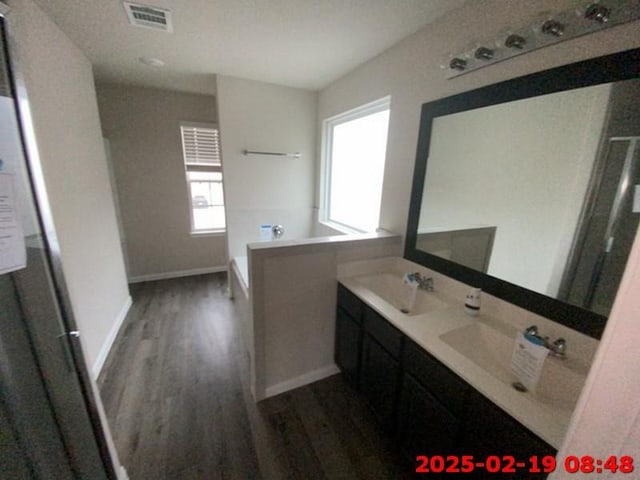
592 17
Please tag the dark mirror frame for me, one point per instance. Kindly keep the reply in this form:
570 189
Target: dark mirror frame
610 68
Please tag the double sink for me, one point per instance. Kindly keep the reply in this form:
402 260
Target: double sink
484 341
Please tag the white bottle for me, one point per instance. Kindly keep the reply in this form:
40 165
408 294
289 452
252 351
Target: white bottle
410 287
472 302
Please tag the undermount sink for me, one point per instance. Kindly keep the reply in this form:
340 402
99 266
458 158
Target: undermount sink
560 383
390 288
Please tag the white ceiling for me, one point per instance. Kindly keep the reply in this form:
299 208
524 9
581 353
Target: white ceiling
299 43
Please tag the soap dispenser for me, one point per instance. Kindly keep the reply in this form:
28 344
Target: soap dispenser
472 302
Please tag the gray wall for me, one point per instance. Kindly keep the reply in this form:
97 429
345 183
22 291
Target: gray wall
142 126
60 85
410 72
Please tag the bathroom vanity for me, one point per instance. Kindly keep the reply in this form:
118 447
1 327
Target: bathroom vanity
438 380
538 169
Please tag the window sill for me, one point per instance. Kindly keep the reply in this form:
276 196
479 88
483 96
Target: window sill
340 227
208 233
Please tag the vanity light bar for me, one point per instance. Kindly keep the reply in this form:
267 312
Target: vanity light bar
547 30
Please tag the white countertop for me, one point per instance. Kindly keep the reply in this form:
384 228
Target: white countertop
549 422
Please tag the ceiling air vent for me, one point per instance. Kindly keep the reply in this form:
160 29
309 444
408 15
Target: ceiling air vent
148 17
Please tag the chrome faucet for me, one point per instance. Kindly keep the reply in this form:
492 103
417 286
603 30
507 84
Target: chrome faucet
557 348
424 283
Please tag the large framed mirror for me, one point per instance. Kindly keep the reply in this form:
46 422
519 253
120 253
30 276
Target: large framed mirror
530 188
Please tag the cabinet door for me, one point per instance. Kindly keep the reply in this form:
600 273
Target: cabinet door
425 426
449 389
379 328
490 431
379 378
347 348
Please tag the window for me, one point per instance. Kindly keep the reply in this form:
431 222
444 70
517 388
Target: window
355 145
203 167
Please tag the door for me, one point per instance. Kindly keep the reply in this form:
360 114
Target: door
50 426
31 444
116 201
609 226
610 229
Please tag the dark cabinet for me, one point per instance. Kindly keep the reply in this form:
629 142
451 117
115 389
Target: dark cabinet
449 389
388 336
380 374
367 351
348 339
347 352
349 303
425 426
432 405
426 406
490 431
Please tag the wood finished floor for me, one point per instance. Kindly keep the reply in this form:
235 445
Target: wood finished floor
175 390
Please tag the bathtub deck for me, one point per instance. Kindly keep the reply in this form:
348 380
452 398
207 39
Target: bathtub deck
175 389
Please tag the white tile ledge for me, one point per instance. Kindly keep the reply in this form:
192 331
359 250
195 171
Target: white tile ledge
332 239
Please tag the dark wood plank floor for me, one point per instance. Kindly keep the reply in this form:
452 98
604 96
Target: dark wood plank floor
175 389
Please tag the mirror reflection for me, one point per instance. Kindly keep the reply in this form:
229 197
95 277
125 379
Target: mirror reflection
542 192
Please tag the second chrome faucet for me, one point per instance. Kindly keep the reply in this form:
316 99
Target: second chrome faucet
557 348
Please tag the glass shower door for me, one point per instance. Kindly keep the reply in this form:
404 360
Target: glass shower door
49 426
610 229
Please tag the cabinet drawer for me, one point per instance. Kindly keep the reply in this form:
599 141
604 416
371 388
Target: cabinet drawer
386 334
350 303
450 389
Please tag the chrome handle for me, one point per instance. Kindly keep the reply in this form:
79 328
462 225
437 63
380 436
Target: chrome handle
67 348
70 333
560 346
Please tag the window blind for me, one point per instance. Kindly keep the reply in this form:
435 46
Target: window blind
201 145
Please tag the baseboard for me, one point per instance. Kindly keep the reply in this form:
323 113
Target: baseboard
177 274
239 280
122 474
301 380
108 343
